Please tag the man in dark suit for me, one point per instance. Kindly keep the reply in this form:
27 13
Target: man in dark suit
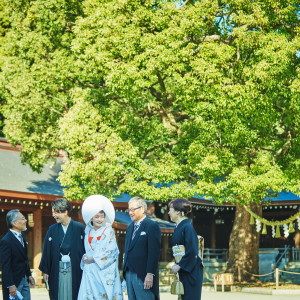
16 274
142 252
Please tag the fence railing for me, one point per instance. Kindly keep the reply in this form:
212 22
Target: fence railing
284 255
216 254
287 253
295 254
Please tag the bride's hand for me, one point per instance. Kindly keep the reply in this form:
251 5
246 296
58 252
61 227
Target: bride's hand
175 268
88 259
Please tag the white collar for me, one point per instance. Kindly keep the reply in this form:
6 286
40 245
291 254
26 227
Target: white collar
97 232
65 228
140 221
16 233
18 236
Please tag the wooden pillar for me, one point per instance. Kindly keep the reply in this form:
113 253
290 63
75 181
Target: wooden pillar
30 242
165 239
80 219
164 247
213 232
297 239
277 278
117 232
37 242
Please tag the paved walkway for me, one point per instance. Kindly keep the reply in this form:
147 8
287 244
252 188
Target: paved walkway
41 294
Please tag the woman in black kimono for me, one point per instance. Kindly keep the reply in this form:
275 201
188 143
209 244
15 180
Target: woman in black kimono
190 267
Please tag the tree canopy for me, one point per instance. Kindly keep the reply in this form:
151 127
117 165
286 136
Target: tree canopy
154 99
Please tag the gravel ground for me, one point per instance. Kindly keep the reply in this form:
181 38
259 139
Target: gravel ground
41 294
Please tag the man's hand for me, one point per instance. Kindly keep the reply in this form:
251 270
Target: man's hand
88 259
175 268
13 291
46 277
148 283
31 281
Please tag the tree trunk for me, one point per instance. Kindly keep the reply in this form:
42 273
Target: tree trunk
244 245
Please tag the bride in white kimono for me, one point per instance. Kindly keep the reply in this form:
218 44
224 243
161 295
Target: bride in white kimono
100 278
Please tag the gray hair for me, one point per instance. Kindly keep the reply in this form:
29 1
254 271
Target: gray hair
61 205
11 217
140 202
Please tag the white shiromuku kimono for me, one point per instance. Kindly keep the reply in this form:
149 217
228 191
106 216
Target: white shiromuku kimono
100 280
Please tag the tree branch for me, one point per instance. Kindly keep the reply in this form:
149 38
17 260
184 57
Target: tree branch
121 102
286 147
211 38
62 102
184 3
85 84
157 147
156 94
237 59
161 83
280 18
56 111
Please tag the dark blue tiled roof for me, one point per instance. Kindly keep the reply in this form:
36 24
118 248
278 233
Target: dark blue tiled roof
17 177
122 198
284 196
124 218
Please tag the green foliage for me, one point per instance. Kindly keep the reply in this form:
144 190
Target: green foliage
144 94
4 19
4 25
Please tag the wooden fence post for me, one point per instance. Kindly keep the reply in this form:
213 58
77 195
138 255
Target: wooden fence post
277 277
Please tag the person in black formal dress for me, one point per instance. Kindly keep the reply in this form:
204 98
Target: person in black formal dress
62 253
190 267
16 274
142 253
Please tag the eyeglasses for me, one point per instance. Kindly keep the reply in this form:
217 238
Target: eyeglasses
132 209
21 219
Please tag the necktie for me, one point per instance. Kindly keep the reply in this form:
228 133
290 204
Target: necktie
20 238
136 227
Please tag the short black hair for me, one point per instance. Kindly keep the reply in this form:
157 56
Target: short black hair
61 205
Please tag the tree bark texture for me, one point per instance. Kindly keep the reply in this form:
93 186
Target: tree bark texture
244 245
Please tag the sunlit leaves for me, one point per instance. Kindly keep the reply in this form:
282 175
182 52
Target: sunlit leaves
156 100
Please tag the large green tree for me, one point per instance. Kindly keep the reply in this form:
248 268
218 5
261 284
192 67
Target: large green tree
158 100
4 26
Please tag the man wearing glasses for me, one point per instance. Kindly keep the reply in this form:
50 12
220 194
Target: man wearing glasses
16 274
142 252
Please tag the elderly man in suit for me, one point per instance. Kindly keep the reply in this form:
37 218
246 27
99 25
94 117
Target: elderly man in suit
16 274
142 253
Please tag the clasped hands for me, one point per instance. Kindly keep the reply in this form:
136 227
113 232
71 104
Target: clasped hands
31 281
13 289
175 268
88 259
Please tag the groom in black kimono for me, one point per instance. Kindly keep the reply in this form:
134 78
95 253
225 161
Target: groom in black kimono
62 253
